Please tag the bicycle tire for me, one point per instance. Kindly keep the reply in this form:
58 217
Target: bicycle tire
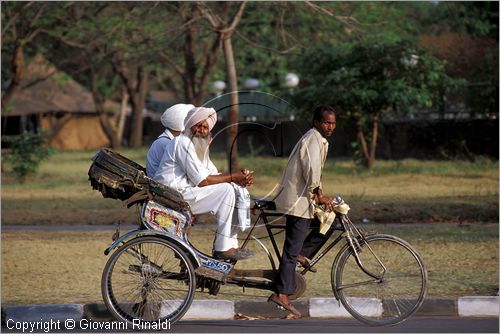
148 279
396 295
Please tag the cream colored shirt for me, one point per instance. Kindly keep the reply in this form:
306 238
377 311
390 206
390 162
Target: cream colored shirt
302 175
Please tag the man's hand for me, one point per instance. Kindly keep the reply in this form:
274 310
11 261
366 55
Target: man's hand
243 178
327 201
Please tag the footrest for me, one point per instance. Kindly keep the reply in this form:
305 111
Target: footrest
263 203
209 273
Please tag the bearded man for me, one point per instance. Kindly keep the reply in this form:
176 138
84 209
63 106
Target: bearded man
186 167
173 121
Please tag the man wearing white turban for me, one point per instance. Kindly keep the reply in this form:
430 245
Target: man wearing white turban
189 170
173 121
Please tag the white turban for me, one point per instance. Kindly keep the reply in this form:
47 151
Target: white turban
173 117
199 114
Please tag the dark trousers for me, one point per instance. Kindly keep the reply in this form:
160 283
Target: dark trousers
315 240
298 242
295 234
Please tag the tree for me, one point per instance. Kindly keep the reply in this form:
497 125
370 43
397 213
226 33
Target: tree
21 23
369 79
104 37
77 45
181 30
225 28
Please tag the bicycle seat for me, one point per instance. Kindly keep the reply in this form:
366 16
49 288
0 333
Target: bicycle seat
265 204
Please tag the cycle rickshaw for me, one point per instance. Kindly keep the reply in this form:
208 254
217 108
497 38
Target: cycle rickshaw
154 271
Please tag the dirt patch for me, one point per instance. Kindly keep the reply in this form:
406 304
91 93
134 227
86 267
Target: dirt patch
361 212
69 217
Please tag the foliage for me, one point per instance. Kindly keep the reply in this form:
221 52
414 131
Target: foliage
371 79
473 58
177 48
475 18
371 76
27 152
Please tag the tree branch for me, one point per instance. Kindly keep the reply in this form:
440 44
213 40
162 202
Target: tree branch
14 18
264 47
236 18
214 20
37 15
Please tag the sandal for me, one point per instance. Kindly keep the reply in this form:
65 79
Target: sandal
304 262
275 299
290 316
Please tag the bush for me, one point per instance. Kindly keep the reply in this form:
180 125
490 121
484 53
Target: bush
27 152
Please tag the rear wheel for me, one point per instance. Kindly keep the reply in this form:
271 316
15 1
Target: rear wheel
148 279
392 285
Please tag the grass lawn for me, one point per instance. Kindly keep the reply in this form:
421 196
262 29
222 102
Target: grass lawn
461 252
405 191
66 266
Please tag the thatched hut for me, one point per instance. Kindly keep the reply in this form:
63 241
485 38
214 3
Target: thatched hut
51 100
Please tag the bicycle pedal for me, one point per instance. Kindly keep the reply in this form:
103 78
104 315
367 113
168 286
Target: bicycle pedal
281 308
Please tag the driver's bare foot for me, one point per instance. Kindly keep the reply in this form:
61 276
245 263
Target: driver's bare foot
282 300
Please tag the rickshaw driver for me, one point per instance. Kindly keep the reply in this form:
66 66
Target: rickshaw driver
199 182
301 188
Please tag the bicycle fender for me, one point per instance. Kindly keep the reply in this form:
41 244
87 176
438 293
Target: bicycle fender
334 269
336 263
162 235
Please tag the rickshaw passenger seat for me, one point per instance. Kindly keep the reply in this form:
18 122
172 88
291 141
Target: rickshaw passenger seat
265 204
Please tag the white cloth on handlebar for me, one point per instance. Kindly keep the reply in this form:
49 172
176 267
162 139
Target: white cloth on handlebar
326 218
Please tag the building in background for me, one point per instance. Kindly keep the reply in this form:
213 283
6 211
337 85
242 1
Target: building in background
51 100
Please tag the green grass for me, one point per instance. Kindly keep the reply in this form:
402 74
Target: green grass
393 191
56 267
66 267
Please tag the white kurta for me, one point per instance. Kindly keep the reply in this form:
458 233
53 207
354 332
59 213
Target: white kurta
156 151
181 169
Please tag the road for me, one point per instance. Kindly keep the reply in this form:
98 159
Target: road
338 325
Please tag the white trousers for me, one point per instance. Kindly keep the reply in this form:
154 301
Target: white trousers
218 199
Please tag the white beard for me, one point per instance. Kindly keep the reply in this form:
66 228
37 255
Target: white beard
201 146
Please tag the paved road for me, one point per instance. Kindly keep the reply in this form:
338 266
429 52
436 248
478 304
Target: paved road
343 325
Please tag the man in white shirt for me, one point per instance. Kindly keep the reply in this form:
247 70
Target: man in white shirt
173 121
186 167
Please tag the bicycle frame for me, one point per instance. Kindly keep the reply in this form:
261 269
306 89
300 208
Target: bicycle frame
354 237
225 272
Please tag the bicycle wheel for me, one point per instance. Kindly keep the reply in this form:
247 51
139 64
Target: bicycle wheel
148 279
390 289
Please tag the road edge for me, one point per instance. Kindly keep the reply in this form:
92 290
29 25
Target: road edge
316 307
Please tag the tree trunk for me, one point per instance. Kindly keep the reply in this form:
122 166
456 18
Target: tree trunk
189 65
225 31
233 111
18 76
138 101
56 124
368 152
362 142
123 113
110 130
373 144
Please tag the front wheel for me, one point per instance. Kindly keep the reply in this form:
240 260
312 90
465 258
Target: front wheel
385 285
148 279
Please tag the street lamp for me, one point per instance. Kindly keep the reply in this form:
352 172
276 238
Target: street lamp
218 86
291 80
251 83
